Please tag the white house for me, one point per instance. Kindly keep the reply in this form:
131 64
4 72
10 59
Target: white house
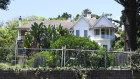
100 30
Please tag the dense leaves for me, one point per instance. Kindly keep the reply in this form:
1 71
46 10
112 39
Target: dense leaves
43 58
8 36
74 42
4 4
40 35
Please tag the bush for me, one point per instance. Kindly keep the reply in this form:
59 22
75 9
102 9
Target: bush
74 42
43 58
136 59
4 66
119 44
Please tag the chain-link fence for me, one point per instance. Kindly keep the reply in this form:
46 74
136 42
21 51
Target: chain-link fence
38 57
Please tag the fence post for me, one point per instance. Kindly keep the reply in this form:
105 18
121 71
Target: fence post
56 58
62 58
64 55
16 52
105 56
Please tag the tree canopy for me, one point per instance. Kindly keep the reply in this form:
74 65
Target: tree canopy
4 4
74 42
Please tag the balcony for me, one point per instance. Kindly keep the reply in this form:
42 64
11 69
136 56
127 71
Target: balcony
110 37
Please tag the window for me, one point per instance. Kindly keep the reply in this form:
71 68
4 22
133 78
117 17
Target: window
77 32
97 32
107 31
103 31
111 32
85 33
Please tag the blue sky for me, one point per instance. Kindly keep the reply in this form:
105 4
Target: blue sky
53 8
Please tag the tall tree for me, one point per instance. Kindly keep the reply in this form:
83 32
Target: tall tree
4 4
130 23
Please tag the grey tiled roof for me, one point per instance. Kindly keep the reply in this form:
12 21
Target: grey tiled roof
64 23
91 20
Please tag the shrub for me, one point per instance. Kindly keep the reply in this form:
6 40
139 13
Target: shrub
43 58
4 66
74 42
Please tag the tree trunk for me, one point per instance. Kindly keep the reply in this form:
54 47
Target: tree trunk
130 25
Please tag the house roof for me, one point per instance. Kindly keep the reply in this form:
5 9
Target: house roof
68 24
103 16
91 21
64 23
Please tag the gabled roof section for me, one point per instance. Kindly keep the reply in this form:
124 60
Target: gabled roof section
103 22
90 21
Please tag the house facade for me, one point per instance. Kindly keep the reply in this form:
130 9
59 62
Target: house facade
100 30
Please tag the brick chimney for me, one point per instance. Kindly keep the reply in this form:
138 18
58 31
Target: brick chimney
69 18
89 14
20 21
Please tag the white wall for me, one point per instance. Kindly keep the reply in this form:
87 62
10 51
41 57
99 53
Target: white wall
81 25
104 42
104 22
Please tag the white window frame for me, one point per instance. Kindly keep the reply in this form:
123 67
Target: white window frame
96 32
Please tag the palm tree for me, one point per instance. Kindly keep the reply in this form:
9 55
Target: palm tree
130 23
36 33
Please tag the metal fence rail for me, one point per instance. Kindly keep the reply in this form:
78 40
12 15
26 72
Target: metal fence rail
67 57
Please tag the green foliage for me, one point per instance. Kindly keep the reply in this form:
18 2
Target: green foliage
77 16
120 32
28 40
135 59
4 66
34 34
8 36
40 36
119 44
85 11
74 42
4 4
64 16
42 18
138 42
33 18
49 57
96 16
99 59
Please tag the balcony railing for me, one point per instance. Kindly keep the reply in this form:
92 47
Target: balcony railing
103 36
